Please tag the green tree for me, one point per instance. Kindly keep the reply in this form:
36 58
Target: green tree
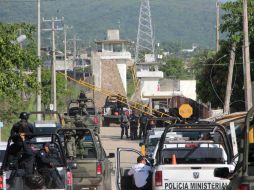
173 68
46 90
18 64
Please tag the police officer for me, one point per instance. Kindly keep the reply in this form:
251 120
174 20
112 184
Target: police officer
142 125
28 127
47 168
133 125
124 124
69 139
141 173
26 162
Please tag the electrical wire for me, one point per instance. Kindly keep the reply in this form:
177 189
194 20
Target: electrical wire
211 79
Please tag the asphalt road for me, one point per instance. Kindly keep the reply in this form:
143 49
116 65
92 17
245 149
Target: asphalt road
110 137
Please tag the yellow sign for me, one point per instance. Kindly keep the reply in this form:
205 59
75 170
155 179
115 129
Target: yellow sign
185 110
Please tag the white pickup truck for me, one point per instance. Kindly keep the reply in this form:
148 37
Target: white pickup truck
188 160
184 158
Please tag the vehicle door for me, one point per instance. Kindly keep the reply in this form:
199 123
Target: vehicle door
125 159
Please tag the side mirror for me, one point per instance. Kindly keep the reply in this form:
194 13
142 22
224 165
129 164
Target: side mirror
111 155
221 172
72 165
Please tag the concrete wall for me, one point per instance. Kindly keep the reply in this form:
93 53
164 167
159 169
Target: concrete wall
148 85
110 80
188 88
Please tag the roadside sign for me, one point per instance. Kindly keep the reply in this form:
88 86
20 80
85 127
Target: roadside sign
1 124
51 107
185 110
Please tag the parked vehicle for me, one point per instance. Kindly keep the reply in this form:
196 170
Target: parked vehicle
185 158
242 178
11 170
112 109
93 166
49 123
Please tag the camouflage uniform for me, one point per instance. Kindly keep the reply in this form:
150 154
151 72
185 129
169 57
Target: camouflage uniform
80 147
78 121
70 140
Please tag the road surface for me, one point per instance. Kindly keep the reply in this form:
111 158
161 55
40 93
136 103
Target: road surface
110 137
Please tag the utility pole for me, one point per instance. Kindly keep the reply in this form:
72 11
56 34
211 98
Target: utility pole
247 77
65 57
74 54
53 71
217 25
229 81
38 99
65 52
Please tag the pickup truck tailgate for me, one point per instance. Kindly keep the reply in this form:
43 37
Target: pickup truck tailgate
85 168
188 177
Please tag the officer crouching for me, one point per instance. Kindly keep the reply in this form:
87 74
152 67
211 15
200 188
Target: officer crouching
48 169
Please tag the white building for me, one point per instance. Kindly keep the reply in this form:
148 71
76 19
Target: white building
149 76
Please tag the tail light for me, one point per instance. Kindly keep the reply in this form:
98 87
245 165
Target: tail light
98 169
243 187
158 178
1 182
96 120
69 179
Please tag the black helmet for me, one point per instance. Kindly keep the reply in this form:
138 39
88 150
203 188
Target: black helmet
24 115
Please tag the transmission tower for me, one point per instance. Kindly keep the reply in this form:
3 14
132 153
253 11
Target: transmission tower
145 38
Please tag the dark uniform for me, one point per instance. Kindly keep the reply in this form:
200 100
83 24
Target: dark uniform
133 126
124 125
27 127
26 162
143 120
23 164
46 167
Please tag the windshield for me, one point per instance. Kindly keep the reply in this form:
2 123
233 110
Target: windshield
45 130
153 141
194 155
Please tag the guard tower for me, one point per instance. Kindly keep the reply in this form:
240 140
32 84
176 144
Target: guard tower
109 63
149 75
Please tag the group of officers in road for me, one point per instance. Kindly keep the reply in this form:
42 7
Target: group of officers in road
133 121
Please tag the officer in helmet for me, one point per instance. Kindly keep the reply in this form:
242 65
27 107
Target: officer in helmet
27 127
